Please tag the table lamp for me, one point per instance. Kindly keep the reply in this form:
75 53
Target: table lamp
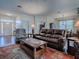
33 28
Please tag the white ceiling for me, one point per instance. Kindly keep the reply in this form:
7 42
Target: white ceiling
39 7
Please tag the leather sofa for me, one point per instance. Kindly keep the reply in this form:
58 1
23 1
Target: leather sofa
54 37
76 50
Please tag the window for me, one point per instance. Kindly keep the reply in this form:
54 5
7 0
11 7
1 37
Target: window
18 24
66 24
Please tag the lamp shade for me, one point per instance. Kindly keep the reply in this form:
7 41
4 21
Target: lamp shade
33 25
77 27
77 24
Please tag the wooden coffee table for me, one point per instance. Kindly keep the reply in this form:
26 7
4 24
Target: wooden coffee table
34 47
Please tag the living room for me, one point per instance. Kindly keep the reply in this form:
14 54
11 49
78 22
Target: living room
35 29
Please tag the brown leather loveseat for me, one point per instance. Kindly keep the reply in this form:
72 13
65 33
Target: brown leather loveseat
54 37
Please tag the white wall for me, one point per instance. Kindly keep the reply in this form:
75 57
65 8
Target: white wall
27 21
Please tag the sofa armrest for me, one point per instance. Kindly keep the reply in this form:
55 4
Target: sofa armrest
36 34
60 40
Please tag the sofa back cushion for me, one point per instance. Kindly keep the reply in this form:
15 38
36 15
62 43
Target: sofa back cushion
49 31
58 32
42 34
43 31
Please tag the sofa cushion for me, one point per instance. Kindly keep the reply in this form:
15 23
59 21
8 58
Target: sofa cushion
42 34
41 37
48 35
53 40
55 36
58 31
43 31
38 36
49 31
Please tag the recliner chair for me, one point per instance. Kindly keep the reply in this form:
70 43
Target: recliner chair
20 34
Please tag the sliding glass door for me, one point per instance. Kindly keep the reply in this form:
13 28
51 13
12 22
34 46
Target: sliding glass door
7 28
0 28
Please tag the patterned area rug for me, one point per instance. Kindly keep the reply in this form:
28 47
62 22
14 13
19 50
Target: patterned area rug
18 53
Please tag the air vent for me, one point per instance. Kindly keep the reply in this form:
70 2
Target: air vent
19 6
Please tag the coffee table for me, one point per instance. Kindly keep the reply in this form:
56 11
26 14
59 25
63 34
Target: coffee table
34 47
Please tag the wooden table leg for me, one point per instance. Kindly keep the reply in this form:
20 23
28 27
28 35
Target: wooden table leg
34 53
45 47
